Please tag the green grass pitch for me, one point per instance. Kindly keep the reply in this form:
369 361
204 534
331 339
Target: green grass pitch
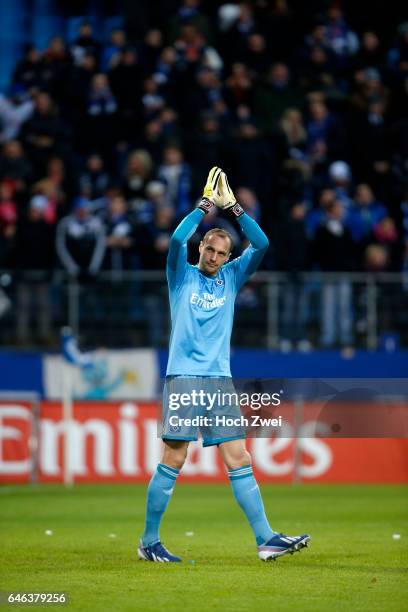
353 562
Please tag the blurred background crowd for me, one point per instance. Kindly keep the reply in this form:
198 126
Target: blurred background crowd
107 137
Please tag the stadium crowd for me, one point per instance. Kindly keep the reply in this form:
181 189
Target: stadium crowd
105 145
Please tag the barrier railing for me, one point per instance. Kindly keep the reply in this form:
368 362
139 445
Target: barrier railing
274 310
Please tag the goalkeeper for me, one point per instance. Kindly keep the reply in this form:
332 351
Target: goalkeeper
202 308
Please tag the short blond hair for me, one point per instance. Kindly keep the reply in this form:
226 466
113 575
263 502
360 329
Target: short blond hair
218 231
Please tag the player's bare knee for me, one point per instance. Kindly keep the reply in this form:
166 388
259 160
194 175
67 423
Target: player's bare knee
235 454
239 459
174 454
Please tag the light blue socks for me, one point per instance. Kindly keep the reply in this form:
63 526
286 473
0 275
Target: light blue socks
248 495
244 486
159 492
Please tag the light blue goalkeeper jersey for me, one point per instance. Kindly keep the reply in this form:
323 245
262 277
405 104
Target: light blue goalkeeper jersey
202 307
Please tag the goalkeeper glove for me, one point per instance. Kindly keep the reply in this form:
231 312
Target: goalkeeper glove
210 189
225 198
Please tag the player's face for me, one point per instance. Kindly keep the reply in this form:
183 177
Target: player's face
213 254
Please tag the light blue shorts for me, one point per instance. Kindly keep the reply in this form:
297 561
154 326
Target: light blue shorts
205 405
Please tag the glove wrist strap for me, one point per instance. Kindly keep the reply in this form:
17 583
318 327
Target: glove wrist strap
236 210
205 205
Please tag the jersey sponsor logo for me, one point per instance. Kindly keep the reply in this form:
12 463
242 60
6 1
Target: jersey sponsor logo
207 302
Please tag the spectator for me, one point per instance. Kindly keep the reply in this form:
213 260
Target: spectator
27 73
291 137
119 236
257 57
341 39
154 246
369 89
13 113
371 154
8 223
153 140
151 49
34 260
169 120
101 118
239 88
206 148
100 205
46 204
324 127
43 134
155 198
125 78
276 21
138 171
274 96
292 257
316 38
199 96
315 216
365 213
319 73
189 14
370 54
119 258
290 187
81 241
78 90
223 116
152 100
398 54
227 15
57 66
404 213
385 233
85 43
56 185
340 181
176 176
334 252
189 47
250 160
112 51
249 202
234 40
8 206
376 258
397 110
94 180
165 68
14 166
154 237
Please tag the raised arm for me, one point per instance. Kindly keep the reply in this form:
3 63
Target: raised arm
177 257
254 253
248 262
